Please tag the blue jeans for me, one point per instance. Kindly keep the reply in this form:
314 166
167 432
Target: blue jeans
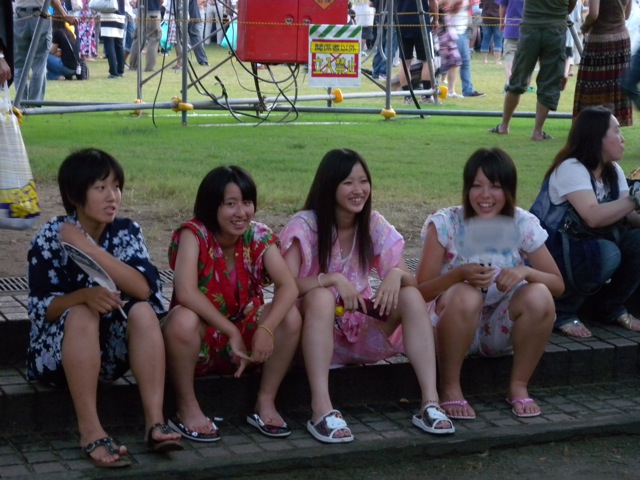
128 32
621 264
632 78
115 55
465 68
489 31
379 62
55 68
24 30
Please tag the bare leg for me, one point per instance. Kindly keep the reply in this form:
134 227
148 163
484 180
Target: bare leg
511 101
318 311
452 77
541 115
317 347
533 313
418 340
402 75
183 331
458 311
146 354
81 363
287 336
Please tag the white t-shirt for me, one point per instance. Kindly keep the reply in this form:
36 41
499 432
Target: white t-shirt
571 176
460 21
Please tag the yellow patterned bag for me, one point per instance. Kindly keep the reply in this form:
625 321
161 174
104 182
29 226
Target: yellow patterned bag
19 207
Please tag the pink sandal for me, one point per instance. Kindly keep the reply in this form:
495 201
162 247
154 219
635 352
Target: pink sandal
457 403
522 402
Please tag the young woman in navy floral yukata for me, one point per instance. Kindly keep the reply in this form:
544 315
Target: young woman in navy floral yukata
80 336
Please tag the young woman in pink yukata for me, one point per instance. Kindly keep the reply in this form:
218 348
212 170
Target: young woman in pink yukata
331 247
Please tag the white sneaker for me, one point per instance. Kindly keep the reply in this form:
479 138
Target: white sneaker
454 95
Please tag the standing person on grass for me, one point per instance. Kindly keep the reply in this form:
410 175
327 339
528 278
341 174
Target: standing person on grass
605 59
112 33
332 246
543 34
83 334
506 307
219 322
411 38
6 43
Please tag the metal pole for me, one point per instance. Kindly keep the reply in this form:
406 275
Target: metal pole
22 84
184 34
141 32
576 38
389 51
428 45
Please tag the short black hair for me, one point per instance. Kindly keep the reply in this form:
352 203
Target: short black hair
211 193
82 169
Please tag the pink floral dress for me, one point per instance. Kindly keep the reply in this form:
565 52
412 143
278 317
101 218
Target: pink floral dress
237 295
87 32
357 337
493 337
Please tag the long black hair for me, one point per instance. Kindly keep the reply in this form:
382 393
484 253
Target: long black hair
584 143
335 166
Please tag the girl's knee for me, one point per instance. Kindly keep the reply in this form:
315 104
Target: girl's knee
292 322
319 300
462 301
81 318
180 323
534 300
142 314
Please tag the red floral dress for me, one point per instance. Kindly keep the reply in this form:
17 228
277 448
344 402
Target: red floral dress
236 295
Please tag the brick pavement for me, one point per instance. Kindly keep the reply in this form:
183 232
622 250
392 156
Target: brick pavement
381 429
586 387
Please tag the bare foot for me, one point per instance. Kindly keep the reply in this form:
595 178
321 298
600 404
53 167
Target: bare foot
576 329
524 407
458 409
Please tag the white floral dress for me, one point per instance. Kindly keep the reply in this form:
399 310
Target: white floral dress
493 337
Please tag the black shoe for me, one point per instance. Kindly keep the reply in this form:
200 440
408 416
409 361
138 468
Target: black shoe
475 94
204 64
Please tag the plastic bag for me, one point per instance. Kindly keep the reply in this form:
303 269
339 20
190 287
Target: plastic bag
104 6
19 207
76 5
230 38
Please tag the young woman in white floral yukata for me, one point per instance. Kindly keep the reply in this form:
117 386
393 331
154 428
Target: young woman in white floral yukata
501 305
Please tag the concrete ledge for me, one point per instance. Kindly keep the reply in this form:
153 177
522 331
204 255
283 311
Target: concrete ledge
381 430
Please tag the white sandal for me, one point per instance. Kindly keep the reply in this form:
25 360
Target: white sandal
324 430
431 415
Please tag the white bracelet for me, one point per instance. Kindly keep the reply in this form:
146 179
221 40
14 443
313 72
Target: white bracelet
320 280
1 55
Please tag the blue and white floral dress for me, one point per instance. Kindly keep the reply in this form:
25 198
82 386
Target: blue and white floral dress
52 273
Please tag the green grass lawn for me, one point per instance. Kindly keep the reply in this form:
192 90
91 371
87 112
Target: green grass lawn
416 162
